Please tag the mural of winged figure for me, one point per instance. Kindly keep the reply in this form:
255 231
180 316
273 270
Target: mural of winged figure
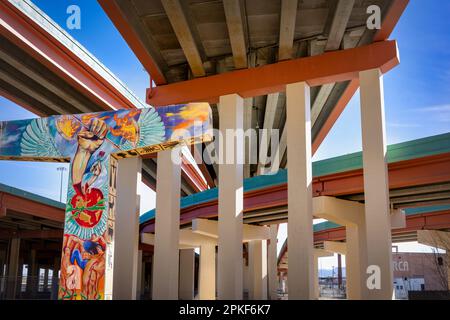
88 141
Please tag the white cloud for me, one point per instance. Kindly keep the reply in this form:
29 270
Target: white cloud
403 125
440 113
5 140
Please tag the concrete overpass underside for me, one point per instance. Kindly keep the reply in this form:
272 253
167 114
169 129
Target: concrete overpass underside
44 70
231 47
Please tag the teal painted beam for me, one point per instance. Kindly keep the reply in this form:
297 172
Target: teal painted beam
409 150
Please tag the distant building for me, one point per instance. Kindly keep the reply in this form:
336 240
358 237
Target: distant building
419 272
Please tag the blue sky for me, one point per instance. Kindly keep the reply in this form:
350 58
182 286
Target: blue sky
417 93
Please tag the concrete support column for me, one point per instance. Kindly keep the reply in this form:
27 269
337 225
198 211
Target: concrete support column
248 110
143 279
246 273
318 253
272 263
376 186
140 278
257 267
2 262
13 266
20 277
55 279
31 272
126 237
281 281
230 262
300 225
355 262
285 283
187 265
339 259
167 226
45 289
316 277
207 272
35 274
150 280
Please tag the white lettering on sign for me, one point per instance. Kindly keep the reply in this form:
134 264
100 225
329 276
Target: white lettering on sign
401 266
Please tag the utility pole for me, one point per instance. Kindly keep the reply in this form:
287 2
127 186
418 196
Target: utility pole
61 169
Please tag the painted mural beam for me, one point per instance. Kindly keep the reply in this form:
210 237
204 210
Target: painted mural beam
93 144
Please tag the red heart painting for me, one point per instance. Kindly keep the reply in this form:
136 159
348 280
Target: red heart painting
88 207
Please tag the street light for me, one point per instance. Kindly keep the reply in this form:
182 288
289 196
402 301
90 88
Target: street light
62 169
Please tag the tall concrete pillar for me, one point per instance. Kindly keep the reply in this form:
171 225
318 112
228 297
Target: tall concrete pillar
13 268
281 281
186 282
140 278
356 261
150 280
246 273
31 274
45 287
143 279
316 277
300 223
285 283
339 272
257 264
20 277
35 274
230 262
126 237
318 253
55 278
167 226
376 186
2 261
207 272
272 263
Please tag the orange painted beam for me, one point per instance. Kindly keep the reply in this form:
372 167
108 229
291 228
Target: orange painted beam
39 44
402 174
202 166
9 202
114 13
409 173
149 184
429 221
192 176
335 66
206 174
146 247
437 220
23 104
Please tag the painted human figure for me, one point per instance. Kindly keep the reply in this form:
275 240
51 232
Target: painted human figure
89 140
83 261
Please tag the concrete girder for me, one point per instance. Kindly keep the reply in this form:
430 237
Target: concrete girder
210 228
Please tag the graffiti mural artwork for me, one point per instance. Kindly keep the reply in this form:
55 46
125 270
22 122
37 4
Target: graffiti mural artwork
93 144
